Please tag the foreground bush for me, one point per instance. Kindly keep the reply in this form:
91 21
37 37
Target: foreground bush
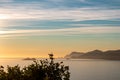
39 70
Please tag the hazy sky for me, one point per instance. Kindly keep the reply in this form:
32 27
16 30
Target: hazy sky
34 28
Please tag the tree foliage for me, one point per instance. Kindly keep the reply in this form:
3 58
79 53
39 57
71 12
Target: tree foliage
39 70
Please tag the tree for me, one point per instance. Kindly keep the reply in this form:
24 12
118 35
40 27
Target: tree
40 70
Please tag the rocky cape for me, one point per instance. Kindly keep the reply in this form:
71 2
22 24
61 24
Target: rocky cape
96 54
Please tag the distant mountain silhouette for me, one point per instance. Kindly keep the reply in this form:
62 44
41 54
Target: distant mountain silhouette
74 55
96 54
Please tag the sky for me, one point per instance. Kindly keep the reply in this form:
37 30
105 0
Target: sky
35 28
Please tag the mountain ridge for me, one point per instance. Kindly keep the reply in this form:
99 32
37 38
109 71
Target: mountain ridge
96 54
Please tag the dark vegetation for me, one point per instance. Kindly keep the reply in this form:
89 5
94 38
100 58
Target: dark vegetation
39 70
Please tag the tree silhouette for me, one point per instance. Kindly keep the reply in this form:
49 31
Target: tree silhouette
40 70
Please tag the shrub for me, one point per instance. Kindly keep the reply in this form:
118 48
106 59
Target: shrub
39 70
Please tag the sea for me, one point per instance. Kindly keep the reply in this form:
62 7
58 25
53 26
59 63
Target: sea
80 69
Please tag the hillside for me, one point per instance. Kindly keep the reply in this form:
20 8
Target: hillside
74 55
96 54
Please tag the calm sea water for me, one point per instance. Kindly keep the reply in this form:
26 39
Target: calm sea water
81 69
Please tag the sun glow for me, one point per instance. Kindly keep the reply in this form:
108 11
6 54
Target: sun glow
4 16
2 32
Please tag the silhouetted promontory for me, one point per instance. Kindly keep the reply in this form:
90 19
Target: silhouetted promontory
96 54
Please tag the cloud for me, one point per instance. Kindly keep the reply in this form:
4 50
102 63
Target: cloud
57 14
66 31
84 1
6 0
37 10
33 10
67 0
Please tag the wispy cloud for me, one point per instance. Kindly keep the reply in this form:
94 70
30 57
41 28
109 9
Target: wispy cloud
67 10
66 31
6 0
54 14
62 9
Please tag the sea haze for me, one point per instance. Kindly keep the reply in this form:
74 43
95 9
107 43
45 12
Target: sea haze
80 69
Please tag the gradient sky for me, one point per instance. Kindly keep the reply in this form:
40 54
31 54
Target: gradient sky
34 28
